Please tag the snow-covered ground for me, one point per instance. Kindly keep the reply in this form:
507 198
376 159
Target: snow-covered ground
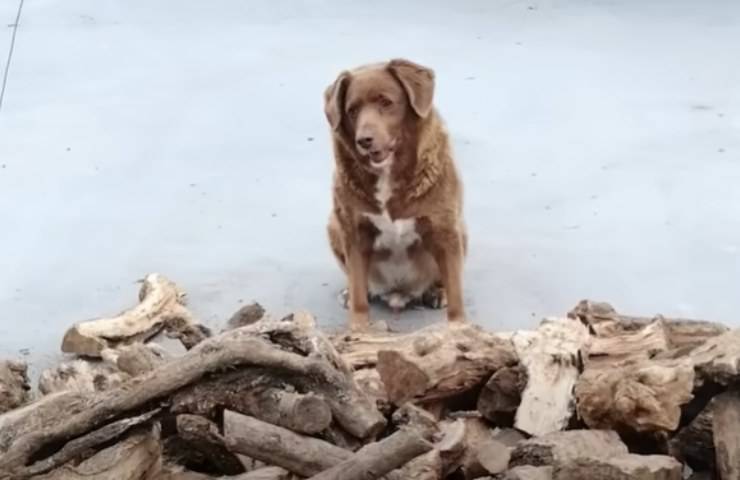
599 141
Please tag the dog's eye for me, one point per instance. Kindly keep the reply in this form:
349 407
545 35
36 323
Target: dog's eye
385 102
352 112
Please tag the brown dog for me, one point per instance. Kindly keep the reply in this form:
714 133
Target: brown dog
396 227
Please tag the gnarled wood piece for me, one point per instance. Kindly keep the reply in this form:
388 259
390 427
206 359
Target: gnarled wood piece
635 397
564 447
551 356
136 458
718 359
278 446
14 385
259 393
30 418
350 407
74 449
621 467
376 459
228 350
440 362
604 321
161 302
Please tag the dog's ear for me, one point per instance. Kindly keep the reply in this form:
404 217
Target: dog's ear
418 81
334 100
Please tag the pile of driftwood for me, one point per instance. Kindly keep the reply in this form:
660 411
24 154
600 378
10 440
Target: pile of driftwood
591 396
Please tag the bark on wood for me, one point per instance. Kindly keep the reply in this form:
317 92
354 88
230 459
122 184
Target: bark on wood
351 408
136 458
278 446
694 444
552 358
564 447
718 359
74 449
604 321
203 435
160 301
259 393
438 362
622 467
501 395
526 472
230 349
376 459
14 387
631 345
635 397
726 426
17 424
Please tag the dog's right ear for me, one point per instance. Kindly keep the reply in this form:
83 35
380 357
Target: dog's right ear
334 100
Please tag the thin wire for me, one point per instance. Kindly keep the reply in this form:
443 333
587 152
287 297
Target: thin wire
10 53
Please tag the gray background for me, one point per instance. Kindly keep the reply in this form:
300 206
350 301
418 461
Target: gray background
599 143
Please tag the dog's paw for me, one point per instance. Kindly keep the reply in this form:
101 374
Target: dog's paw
435 298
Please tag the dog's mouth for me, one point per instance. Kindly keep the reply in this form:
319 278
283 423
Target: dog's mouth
380 158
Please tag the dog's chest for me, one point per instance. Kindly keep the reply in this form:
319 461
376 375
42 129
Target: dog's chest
396 235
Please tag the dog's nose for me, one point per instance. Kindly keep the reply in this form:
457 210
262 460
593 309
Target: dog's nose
365 142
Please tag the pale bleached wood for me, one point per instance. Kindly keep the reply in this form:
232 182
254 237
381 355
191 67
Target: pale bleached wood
552 358
160 302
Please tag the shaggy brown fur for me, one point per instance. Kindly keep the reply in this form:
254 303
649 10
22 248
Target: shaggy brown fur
397 226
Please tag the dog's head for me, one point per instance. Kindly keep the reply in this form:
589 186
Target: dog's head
372 107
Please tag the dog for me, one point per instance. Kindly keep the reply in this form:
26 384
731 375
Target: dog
396 225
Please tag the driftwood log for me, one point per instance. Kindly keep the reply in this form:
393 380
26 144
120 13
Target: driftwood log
259 393
232 349
300 454
682 334
161 304
135 458
433 364
552 357
376 459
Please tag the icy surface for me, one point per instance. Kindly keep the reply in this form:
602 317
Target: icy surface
599 143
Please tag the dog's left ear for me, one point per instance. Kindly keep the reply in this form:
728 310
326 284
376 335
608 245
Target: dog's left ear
334 100
418 81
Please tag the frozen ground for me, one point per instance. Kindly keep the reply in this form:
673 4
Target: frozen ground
599 142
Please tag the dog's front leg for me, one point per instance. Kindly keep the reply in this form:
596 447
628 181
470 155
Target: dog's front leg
447 247
357 272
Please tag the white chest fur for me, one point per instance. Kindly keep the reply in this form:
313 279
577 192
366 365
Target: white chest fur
394 235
